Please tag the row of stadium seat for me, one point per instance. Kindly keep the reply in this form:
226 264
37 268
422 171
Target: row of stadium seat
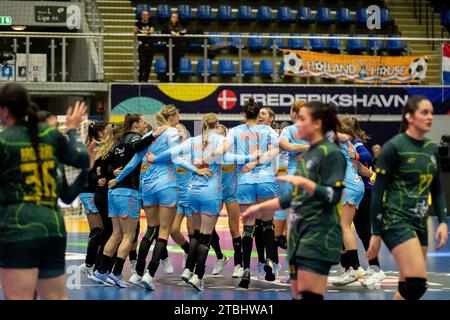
225 67
343 16
336 45
445 18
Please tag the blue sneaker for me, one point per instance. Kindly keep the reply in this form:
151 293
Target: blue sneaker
102 278
118 280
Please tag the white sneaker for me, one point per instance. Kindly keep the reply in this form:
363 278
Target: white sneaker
375 276
261 272
186 275
148 281
276 269
346 278
185 256
86 270
219 265
360 272
136 280
133 264
197 283
167 265
238 271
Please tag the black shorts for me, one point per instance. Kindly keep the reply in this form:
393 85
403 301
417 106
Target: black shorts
46 254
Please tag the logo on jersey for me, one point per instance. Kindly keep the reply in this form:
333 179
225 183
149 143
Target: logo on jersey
310 164
411 160
227 99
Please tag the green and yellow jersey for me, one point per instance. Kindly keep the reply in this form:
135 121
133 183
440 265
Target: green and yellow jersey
315 231
29 194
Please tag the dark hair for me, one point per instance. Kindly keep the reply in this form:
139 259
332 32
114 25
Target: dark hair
17 99
327 112
178 21
128 122
251 109
412 104
283 125
94 129
44 115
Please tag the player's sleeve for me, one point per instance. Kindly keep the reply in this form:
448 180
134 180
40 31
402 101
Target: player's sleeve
70 151
140 144
437 195
332 175
365 157
70 192
131 165
183 149
386 164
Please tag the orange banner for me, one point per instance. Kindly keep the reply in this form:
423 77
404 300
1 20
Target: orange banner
358 68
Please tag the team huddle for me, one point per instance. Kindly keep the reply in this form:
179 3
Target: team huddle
295 187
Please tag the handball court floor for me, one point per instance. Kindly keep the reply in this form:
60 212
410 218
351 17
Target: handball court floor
224 287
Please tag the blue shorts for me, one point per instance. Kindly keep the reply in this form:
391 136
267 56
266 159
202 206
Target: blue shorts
164 198
87 199
209 208
251 193
280 215
184 209
352 197
229 195
123 203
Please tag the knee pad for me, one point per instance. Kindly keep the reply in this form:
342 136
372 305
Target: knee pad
205 239
282 242
308 295
151 232
94 236
249 231
267 225
412 288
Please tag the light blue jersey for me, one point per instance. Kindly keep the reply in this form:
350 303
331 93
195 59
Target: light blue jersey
229 182
353 181
184 177
247 140
291 134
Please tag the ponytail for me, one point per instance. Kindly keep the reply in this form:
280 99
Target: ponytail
327 112
163 115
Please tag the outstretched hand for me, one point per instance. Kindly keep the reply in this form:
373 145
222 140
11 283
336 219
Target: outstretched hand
75 115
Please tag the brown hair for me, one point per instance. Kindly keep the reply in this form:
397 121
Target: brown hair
297 105
411 106
327 112
271 115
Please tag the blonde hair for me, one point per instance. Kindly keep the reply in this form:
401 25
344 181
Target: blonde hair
163 115
209 121
297 105
105 144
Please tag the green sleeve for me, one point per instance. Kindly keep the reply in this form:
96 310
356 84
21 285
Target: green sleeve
70 192
332 175
386 165
285 200
437 196
71 152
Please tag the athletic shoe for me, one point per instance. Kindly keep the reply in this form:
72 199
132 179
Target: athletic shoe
136 280
148 281
269 269
167 265
245 281
197 283
276 270
219 265
133 264
186 275
237 271
102 278
346 278
375 275
185 256
119 281
261 272
360 272
86 270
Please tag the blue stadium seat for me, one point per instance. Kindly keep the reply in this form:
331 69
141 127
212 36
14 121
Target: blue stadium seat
284 14
335 45
233 42
385 17
279 42
343 16
395 45
201 65
226 68
186 67
317 44
296 44
255 44
266 67
371 43
204 13
160 66
264 14
281 67
248 67
216 41
185 12
224 13
140 8
445 18
245 13
323 16
361 16
304 15
355 45
163 11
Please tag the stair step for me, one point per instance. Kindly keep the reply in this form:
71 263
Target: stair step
115 10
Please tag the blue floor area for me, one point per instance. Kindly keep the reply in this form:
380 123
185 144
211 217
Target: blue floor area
224 287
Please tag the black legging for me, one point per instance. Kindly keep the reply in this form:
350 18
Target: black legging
362 223
101 202
145 61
